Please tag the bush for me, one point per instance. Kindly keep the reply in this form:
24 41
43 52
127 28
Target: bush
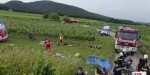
45 16
54 17
30 62
17 62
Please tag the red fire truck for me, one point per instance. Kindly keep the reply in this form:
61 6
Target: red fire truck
3 32
126 37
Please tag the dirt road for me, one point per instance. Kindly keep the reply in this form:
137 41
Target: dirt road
135 58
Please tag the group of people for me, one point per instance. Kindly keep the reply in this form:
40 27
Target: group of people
47 44
121 66
98 71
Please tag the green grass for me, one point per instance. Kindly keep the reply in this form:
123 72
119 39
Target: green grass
19 24
48 28
23 43
39 17
20 15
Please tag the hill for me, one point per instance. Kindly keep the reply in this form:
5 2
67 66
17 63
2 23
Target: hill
61 9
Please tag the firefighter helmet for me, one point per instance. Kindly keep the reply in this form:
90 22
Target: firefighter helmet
121 54
145 56
124 50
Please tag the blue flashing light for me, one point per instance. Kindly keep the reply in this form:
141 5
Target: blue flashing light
121 29
1 24
136 30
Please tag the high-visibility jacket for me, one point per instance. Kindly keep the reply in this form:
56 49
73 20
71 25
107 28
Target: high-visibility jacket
120 61
145 69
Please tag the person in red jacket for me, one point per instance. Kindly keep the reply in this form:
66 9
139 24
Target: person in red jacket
47 44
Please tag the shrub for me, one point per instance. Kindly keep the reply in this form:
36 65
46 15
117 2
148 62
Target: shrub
45 16
54 17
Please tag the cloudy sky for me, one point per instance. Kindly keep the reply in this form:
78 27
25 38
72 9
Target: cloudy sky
135 10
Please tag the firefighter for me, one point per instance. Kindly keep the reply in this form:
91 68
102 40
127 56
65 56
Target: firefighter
120 60
142 62
146 69
125 53
117 69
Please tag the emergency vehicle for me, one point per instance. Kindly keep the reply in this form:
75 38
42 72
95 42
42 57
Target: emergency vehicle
3 32
126 37
105 30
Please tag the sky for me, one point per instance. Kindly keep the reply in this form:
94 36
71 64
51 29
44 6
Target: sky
135 10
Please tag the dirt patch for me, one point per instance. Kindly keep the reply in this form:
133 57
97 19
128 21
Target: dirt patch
84 25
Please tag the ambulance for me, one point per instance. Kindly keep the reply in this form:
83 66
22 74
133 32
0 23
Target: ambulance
3 33
105 31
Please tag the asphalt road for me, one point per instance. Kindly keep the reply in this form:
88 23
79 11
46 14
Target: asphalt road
135 58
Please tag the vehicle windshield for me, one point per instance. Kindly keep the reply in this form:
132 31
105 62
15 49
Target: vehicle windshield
105 29
127 35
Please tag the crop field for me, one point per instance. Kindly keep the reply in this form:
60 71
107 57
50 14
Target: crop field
49 28
19 48
20 15
22 56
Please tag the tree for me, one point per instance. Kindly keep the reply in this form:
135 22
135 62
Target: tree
66 17
54 17
45 16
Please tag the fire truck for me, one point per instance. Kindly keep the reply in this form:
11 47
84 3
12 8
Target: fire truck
126 37
3 33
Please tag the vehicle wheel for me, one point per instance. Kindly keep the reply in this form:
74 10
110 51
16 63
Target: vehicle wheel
132 53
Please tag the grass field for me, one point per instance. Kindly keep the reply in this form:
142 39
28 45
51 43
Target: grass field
23 43
19 24
19 48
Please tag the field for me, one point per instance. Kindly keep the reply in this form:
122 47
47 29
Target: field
20 55
80 37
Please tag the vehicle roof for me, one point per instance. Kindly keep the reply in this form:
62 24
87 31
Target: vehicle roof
2 25
106 27
127 29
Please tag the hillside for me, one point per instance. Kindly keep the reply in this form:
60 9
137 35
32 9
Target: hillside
61 9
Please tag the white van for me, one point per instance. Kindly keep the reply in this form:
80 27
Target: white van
3 32
105 31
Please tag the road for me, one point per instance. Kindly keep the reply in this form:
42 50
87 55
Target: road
135 58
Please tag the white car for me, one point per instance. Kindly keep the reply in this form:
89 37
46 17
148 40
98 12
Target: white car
105 31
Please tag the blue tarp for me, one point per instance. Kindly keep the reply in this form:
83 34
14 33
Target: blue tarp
91 59
101 62
104 63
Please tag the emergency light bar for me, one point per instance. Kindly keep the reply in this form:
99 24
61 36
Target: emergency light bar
1 24
128 30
